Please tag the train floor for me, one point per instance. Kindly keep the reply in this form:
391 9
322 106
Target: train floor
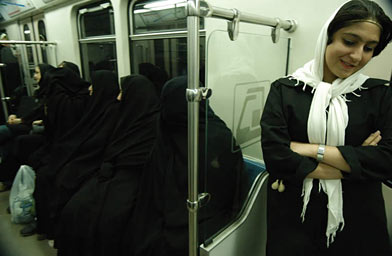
12 243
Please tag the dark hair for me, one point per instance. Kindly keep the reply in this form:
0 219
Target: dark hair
357 10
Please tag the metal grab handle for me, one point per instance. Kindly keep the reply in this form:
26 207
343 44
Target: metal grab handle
6 99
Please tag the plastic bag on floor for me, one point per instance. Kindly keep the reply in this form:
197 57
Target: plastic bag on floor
22 204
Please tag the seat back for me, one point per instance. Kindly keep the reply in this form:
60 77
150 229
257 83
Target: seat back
247 234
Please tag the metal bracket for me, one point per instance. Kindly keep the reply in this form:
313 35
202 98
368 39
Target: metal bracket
196 95
192 9
202 200
205 9
233 27
275 32
293 27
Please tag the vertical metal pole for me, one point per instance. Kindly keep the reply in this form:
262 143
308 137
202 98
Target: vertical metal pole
3 96
193 21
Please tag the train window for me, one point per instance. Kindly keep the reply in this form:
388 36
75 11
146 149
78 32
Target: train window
42 37
97 38
29 48
158 39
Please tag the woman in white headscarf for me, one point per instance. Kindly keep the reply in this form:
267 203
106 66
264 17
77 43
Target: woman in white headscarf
327 143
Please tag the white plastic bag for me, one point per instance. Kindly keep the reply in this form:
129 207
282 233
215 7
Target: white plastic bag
22 204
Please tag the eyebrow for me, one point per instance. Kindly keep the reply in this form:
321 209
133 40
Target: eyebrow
360 38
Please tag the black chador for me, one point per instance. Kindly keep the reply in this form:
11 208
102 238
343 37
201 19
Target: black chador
75 155
159 225
93 221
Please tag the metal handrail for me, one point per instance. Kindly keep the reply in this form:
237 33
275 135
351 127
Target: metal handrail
26 42
208 10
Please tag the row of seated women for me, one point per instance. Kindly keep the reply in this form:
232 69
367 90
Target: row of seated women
112 176
14 147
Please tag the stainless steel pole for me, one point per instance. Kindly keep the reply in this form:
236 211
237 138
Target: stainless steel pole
3 96
193 49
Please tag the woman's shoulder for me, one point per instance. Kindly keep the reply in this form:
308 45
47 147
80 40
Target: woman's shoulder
287 82
372 83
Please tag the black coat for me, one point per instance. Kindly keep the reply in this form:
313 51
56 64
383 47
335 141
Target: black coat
284 120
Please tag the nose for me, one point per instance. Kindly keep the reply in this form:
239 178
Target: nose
356 54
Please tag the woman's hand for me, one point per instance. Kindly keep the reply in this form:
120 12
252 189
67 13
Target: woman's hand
373 139
38 122
11 118
15 121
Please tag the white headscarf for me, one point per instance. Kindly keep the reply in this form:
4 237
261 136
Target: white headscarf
331 130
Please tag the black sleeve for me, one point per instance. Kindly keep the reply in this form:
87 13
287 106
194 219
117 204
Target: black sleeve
36 114
280 160
373 162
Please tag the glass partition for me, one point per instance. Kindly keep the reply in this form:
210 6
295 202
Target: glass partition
239 73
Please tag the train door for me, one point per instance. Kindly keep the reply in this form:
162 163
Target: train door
29 54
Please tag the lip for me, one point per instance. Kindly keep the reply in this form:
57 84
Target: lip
347 65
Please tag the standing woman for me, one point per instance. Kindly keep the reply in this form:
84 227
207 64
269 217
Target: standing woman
93 221
327 143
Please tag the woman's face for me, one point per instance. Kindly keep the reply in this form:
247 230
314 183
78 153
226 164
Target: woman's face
37 74
351 49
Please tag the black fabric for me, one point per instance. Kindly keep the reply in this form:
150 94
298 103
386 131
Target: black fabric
84 142
67 97
71 66
159 225
92 222
365 231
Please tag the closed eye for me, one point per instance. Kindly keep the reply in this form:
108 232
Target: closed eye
348 42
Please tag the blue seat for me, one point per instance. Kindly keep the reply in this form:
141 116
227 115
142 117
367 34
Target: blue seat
253 168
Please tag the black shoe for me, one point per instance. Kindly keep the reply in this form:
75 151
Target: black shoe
29 229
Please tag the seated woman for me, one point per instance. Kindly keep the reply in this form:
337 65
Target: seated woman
70 65
92 222
74 156
18 125
159 225
65 101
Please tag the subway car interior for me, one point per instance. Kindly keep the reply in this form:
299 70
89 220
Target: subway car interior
227 52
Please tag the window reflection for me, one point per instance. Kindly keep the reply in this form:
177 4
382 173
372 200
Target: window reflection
29 48
169 54
98 56
166 15
42 37
98 23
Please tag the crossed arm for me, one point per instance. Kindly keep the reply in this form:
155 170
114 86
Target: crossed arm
333 163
